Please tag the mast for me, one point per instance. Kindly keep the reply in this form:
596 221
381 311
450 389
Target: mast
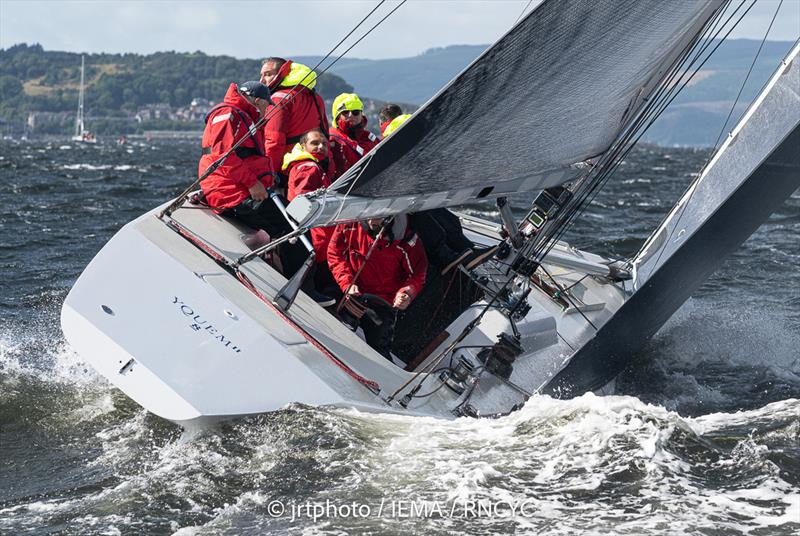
79 128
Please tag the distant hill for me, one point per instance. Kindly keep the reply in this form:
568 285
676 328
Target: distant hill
413 80
32 79
695 117
117 85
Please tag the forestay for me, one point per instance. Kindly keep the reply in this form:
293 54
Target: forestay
554 92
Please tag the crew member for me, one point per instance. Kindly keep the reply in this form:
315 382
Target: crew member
440 229
297 107
309 168
350 139
391 117
392 273
238 188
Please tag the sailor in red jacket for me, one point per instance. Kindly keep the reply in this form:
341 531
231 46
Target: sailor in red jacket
350 139
310 168
238 188
295 110
440 229
393 271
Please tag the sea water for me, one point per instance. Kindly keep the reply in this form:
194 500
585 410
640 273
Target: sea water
702 436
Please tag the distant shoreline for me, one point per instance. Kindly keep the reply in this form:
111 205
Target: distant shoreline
184 135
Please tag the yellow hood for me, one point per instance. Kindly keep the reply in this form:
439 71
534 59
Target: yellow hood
297 154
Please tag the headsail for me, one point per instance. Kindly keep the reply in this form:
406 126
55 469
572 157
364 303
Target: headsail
555 91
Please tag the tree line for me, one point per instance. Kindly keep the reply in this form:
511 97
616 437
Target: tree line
33 79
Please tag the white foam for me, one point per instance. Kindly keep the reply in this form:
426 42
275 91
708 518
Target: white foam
21 356
782 411
86 166
553 449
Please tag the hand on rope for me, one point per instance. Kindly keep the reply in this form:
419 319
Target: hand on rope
353 290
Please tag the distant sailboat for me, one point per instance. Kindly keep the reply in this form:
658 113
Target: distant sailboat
81 134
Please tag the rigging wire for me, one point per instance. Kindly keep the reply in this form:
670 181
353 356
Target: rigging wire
398 6
690 190
288 97
567 297
747 76
609 162
657 97
540 247
663 97
521 13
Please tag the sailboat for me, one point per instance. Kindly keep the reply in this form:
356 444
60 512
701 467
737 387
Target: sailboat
81 134
180 311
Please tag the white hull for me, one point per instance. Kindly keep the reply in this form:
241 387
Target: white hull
188 341
81 139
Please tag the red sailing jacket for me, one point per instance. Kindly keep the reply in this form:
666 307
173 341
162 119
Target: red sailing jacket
290 119
394 265
347 151
226 124
307 175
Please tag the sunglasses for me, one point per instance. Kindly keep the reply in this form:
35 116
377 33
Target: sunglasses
351 112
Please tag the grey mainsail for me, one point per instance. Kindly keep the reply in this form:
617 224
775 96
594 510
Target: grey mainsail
552 93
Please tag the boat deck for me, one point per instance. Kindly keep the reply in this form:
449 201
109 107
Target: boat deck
310 330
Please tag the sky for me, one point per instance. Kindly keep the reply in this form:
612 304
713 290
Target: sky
258 28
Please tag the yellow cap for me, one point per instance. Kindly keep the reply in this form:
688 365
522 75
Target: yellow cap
346 101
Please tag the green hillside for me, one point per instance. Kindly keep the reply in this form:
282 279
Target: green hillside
117 85
697 115
125 92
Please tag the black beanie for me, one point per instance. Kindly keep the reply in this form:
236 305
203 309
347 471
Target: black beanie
254 89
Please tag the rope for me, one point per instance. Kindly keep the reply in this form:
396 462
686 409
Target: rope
690 189
288 97
611 160
441 302
378 238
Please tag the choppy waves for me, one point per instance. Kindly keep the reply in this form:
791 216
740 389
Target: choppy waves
702 439
602 465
